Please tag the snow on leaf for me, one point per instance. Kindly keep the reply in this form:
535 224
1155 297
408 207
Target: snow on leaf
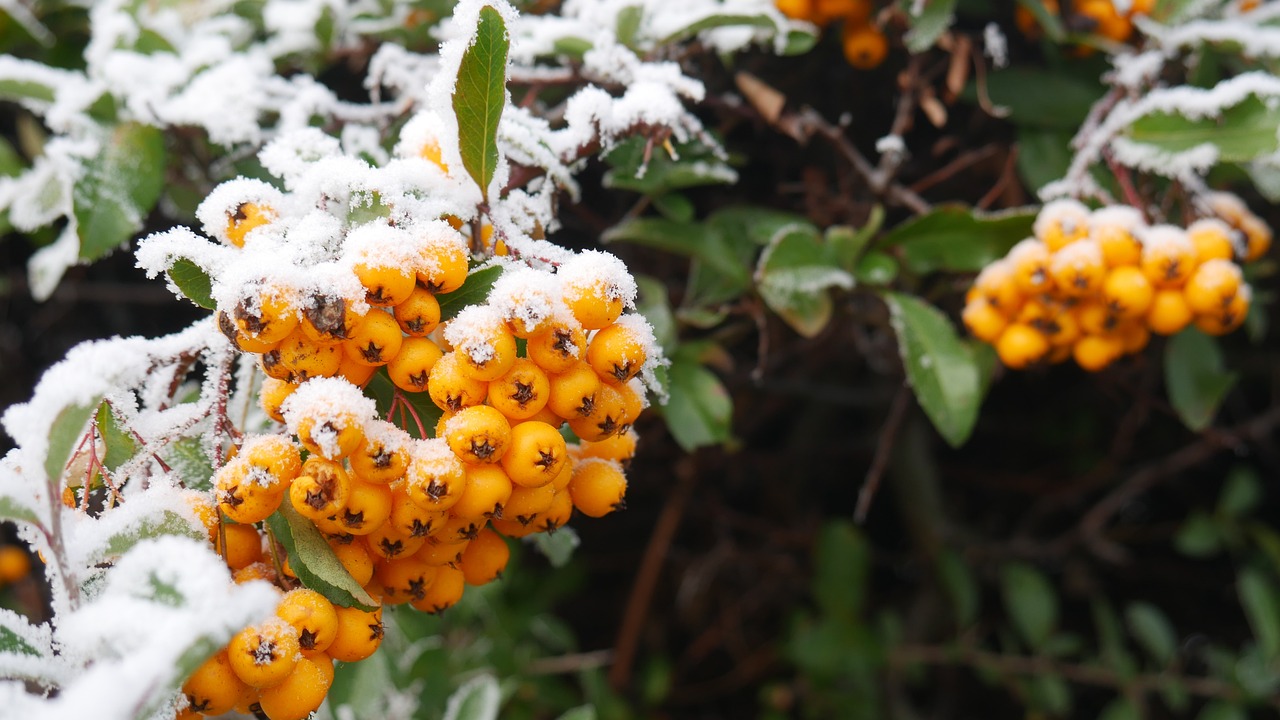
313 560
119 187
480 96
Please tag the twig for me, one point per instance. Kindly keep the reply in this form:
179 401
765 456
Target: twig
655 555
1007 175
565 664
903 114
1092 524
808 123
884 449
961 162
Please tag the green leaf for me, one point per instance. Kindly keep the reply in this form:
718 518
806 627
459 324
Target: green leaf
842 564
1051 694
934 19
144 527
1197 380
480 97
694 165
1241 492
474 290
194 283
715 21
17 90
118 188
1240 133
11 641
698 240
187 458
12 509
674 206
477 699
1262 608
313 560
1112 650
120 443
363 687
582 712
958 239
652 304
961 587
574 47
1199 536
793 275
699 409
1031 602
799 42
65 433
1153 631
1042 98
850 244
557 546
628 24
940 369
1044 154
876 268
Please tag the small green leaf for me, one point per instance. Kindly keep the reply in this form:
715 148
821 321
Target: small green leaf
118 188
1240 133
1051 694
477 699
1199 536
958 239
558 546
876 268
674 206
17 90
628 24
694 165
1241 492
1197 380
850 244
574 47
799 42
1153 631
190 463
1112 650
842 564
940 369
120 443
473 291
1262 608
313 560
699 408
194 283
480 97
12 509
65 433
1042 98
11 641
793 275
1030 601
934 19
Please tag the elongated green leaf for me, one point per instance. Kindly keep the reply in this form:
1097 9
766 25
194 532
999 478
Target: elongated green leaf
120 443
480 97
1112 648
961 587
698 240
1153 631
1241 133
1200 536
194 283
628 24
477 699
557 547
17 90
1042 98
313 560
694 165
1196 376
142 528
13 628
474 290
942 372
715 21
118 189
842 564
67 429
934 19
1030 601
699 409
1241 492
955 238
189 462
1261 605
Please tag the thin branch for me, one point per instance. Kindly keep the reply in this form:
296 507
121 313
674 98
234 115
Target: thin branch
884 450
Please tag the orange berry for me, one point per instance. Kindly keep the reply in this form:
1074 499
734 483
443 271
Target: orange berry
452 390
559 347
1060 223
478 434
486 494
265 317
865 47
1168 256
573 392
1095 352
983 321
1114 228
382 456
312 617
298 358
521 392
322 490
435 478
526 503
385 285
444 592
1029 261
997 284
536 454
419 314
273 394
1078 269
1225 319
1212 239
368 507
214 687
328 319
598 487
444 264
618 352
1169 312
374 341
1213 286
243 545
359 634
388 543
1019 346
247 216
404 580
263 655
1257 235
302 692
241 496
485 558
1127 292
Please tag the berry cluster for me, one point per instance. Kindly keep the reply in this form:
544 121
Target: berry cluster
865 46
1093 285
414 511
1104 18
